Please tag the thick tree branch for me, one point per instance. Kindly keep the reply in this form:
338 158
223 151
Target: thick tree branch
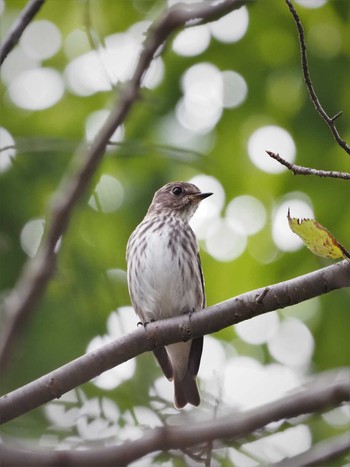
330 121
322 393
164 332
299 170
25 17
38 271
320 454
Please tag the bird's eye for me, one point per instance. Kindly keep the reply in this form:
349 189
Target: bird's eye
177 191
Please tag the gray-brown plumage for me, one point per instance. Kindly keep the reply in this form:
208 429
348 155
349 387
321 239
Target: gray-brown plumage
165 279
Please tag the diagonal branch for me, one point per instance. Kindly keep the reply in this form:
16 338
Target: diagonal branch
322 393
25 17
168 331
37 272
300 170
321 453
330 121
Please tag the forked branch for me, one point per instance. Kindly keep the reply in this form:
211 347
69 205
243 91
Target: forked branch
330 121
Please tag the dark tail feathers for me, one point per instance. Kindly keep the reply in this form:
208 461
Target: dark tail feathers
186 391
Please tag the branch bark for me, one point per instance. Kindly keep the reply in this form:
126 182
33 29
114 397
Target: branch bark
321 453
300 170
38 271
164 332
25 17
319 395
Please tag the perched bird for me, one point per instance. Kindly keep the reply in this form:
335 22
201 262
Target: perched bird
165 279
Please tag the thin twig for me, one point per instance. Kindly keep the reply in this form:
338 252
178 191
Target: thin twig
38 271
6 148
330 121
25 17
300 170
169 331
322 393
137 147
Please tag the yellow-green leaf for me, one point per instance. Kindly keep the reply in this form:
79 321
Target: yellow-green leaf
317 238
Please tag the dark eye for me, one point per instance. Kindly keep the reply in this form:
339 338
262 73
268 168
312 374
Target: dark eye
177 191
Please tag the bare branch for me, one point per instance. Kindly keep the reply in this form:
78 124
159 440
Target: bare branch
321 453
168 331
37 272
6 148
322 393
330 121
25 17
300 170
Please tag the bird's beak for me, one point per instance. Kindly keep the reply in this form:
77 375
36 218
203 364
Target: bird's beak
201 196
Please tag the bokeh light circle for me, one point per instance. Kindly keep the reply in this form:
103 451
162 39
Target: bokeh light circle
112 378
235 89
6 155
211 207
37 89
271 138
231 27
325 40
293 344
311 3
214 358
214 204
223 242
41 39
277 447
31 236
247 383
258 330
16 63
201 106
94 123
119 323
154 75
192 41
246 212
300 207
85 75
108 194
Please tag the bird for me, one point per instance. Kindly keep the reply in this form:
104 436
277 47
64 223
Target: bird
165 279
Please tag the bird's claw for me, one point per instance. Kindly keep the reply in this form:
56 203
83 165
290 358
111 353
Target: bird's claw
140 323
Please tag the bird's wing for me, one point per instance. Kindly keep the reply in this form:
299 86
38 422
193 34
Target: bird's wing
161 355
195 356
202 278
197 344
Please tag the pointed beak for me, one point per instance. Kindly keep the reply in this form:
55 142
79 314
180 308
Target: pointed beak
201 196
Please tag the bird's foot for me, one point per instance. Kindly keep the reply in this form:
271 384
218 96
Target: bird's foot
188 312
140 323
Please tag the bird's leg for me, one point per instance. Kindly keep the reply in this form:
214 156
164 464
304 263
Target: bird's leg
188 312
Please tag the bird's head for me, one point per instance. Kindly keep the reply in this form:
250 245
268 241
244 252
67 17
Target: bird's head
177 198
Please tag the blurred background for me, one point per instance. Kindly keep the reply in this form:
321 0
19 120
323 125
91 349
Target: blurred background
216 98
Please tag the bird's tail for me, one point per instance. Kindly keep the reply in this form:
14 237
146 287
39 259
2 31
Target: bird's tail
186 391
